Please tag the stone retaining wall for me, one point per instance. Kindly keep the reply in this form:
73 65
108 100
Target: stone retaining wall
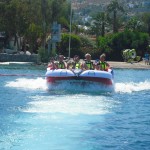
19 58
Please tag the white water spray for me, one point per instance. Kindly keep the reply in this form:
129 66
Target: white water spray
132 87
72 104
24 83
40 83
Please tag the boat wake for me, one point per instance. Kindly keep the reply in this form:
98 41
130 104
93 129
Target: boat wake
40 83
26 84
132 87
71 104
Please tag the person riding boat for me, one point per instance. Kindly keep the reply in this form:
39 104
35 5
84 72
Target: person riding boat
102 64
51 64
75 64
61 63
88 65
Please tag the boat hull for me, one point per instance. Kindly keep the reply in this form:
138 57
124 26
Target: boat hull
83 77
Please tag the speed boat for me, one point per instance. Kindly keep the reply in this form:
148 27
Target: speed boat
79 76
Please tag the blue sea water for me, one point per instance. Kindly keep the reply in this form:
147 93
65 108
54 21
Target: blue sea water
34 118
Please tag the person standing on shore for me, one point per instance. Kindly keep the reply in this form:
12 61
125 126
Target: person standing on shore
102 64
146 58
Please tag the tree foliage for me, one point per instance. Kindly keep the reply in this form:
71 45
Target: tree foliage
32 19
80 45
21 17
114 7
146 20
115 43
134 24
99 24
64 44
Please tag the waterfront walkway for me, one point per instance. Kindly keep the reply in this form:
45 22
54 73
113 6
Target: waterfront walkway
135 65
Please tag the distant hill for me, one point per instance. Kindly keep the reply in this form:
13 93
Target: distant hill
84 8
82 4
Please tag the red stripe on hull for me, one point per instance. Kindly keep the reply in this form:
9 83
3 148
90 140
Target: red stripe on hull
99 80
93 79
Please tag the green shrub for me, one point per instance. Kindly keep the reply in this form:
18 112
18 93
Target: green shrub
88 46
115 43
138 58
63 46
43 53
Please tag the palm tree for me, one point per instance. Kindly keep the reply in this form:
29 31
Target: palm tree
99 24
57 9
114 7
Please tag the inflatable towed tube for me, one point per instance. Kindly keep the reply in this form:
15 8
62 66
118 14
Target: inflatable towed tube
77 75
